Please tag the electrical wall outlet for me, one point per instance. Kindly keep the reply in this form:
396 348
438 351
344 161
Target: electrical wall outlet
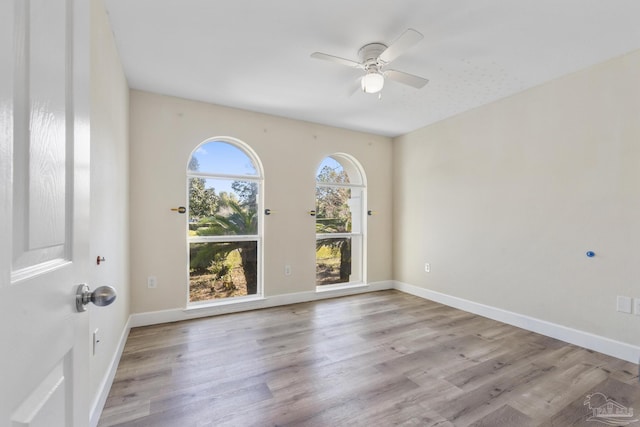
152 282
427 267
623 304
287 270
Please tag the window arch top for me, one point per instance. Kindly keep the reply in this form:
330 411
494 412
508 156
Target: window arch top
337 169
222 158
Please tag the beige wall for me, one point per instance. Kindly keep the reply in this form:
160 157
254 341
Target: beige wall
109 192
504 202
165 130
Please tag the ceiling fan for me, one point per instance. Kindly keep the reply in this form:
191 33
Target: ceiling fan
374 58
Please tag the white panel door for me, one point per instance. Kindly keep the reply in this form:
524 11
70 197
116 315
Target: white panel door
44 217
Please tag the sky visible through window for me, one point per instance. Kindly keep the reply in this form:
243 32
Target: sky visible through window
223 158
332 163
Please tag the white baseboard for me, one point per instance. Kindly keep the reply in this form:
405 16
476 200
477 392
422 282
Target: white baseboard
178 314
583 339
107 381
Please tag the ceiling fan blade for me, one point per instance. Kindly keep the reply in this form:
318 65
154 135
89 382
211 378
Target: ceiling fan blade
406 78
336 59
398 47
354 87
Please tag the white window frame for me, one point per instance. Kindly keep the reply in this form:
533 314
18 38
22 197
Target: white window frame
351 166
258 238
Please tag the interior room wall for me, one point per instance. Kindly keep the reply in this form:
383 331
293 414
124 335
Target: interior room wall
109 195
504 202
164 132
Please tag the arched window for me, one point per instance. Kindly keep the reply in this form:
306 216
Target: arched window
224 181
340 219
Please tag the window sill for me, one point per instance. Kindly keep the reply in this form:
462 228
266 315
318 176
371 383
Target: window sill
223 302
340 286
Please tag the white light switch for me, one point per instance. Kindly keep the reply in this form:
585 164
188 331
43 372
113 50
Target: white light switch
623 304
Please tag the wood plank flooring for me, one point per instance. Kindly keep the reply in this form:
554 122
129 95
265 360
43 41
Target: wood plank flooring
378 359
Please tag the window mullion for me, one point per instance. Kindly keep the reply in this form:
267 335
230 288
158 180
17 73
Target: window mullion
230 177
338 185
228 238
336 235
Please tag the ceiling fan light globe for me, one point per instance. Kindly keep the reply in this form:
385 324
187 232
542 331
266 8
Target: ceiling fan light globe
372 82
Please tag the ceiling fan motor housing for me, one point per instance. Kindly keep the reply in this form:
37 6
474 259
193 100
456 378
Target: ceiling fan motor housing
369 55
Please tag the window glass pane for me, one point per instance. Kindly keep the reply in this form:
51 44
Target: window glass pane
333 260
332 171
222 207
333 210
222 270
221 158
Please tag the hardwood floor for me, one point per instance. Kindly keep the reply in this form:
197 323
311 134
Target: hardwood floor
379 359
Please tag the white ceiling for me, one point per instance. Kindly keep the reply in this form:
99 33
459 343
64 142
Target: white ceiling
254 54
